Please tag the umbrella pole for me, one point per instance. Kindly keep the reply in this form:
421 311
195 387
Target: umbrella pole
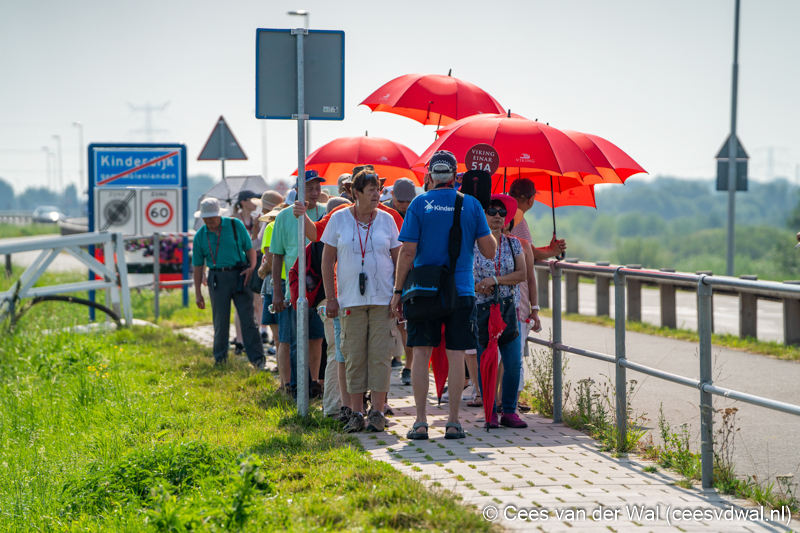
504 180
559 257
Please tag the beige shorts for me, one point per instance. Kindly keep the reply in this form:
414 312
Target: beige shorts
367 346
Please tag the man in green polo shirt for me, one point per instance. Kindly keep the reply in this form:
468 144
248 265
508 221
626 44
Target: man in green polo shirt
223 244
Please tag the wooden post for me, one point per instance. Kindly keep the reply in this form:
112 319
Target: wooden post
572 287
791 318
669 317
543 285
748 312
8 265
601 288
634 291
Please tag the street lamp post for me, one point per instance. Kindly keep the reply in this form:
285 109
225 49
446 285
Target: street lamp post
47 155
60 162
732 148
306 21
80 152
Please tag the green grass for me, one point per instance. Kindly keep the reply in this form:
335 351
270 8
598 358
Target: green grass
13 230
727 340
57 314
136 430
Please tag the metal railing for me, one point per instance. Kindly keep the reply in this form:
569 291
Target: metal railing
668 281
16 217
704 285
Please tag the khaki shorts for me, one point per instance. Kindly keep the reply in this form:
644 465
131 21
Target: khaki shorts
367 345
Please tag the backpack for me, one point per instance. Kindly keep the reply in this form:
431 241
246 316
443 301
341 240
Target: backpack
478 183
315 290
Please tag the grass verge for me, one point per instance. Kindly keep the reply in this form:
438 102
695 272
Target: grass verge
136 430
13 230
749 344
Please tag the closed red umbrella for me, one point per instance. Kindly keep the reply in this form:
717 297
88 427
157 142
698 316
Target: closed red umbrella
490 361
432 99
391 160
440 367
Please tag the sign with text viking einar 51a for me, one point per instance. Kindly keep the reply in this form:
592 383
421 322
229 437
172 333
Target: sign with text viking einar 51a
482 157
276 74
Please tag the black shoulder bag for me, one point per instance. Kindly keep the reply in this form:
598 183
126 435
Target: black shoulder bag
430 291
255 281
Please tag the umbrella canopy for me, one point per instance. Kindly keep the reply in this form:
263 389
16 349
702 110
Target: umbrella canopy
391 160
432 99
489 361
520 144
228 189
440 367
552 191
615 166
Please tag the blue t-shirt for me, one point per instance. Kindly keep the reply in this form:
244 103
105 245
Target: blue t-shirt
428 221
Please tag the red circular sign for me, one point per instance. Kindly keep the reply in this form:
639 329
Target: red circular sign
159 212
482 157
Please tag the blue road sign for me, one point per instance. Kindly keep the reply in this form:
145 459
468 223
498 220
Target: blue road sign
137 167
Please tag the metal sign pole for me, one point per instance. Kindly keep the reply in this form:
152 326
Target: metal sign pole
302 302
732 148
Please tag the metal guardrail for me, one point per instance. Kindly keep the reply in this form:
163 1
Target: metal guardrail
747 288
115 282
16 217
704 285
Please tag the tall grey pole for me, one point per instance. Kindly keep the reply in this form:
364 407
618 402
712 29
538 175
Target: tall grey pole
222 147
557 362
302 302
704 314
60 162
620 374
732 151
47 159
264 169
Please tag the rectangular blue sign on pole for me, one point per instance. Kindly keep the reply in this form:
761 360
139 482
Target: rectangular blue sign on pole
137 167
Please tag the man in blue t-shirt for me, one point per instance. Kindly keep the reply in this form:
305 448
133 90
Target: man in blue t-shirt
425 236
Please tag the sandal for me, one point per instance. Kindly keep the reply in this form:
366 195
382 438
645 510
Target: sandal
477 402
418 435
457 434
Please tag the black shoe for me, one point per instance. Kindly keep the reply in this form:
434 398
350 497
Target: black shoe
264 339
396 363
271 350
405 376
238 348
315 390
220 362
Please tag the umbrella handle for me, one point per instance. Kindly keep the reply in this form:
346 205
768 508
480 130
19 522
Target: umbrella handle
562 255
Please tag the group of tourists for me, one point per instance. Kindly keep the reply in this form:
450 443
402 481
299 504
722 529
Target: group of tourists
366 268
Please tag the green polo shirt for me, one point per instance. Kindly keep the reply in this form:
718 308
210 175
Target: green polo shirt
284 236
205 249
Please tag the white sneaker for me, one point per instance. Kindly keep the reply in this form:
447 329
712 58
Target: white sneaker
468 393
446 396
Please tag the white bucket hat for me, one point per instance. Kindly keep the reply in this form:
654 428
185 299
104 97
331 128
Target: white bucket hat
209 207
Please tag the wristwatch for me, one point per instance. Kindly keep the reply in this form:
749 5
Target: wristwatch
534 308
398 291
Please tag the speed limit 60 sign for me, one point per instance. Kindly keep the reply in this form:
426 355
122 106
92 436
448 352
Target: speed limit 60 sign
159 211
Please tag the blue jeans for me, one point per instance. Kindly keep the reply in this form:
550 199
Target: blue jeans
511 355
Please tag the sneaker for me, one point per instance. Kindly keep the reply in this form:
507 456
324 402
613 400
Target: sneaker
355 424
512 420
493 423
238 348
396 363
387 410
405 376
264 338
377 422
271 350
469 393
344 414
446 397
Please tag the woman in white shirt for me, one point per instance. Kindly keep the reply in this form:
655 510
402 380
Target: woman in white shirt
361 243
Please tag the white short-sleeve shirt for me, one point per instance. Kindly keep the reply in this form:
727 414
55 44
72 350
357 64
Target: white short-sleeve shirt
350 239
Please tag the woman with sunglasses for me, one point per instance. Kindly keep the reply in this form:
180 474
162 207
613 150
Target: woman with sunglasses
362 242
503 274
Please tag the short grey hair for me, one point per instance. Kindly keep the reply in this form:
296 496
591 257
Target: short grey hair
442 177
336 201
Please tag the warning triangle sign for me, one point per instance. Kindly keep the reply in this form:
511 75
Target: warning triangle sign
740 153
221 145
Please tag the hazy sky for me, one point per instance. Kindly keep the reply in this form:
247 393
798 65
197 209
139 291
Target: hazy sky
652 77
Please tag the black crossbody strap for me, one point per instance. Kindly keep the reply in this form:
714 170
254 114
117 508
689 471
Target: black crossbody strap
454 245
236 238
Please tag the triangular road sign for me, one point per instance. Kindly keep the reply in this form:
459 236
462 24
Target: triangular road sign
221 145
740 153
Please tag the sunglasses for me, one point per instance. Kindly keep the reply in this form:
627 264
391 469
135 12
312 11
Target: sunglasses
494 211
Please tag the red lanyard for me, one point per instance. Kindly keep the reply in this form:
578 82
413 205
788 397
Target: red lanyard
363 245
214 254
499 255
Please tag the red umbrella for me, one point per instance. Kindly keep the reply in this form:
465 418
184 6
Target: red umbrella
440 367
520 144
432 99
391 160
489 361
615 166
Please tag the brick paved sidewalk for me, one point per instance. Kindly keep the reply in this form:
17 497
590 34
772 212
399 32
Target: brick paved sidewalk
544 467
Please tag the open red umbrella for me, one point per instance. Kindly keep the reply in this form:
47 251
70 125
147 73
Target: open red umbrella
391 160
440 367
432 99
490 360
615 166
